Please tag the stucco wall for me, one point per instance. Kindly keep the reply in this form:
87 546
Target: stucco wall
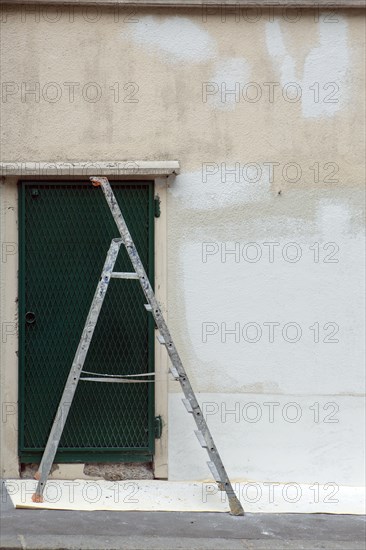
278 163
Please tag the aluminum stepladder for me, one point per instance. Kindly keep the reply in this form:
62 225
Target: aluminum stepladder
176 368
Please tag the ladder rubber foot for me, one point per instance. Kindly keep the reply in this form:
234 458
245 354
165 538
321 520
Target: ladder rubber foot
37 475
37 498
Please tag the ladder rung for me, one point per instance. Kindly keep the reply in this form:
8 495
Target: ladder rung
161 339
187 405
174 372
214 471
122 275
200 438
148 307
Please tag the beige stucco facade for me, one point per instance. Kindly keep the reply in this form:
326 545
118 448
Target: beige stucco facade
262 227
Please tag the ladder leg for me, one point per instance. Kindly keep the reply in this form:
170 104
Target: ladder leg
204 435
74 375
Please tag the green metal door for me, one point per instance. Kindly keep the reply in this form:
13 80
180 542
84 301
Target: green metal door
65 232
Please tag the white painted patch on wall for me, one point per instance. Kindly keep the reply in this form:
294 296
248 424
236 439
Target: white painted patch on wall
326 64
313 305
177 38
277 50
256 444
219 185
323 83
333 218
225 84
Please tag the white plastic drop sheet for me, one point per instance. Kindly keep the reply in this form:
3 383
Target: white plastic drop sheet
188 496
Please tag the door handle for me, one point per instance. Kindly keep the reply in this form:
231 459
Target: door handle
30 318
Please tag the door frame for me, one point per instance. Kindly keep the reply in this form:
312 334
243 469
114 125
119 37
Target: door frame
163 173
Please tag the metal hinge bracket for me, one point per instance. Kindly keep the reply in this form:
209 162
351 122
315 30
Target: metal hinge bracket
157 210
158 427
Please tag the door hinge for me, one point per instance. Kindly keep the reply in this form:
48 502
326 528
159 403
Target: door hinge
157 206
158 427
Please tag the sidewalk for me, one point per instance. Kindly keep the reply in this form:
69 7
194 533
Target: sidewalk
56 530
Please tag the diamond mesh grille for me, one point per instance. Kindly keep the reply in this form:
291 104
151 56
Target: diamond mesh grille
68 229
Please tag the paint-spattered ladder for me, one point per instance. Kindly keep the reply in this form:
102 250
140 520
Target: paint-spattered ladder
177 370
